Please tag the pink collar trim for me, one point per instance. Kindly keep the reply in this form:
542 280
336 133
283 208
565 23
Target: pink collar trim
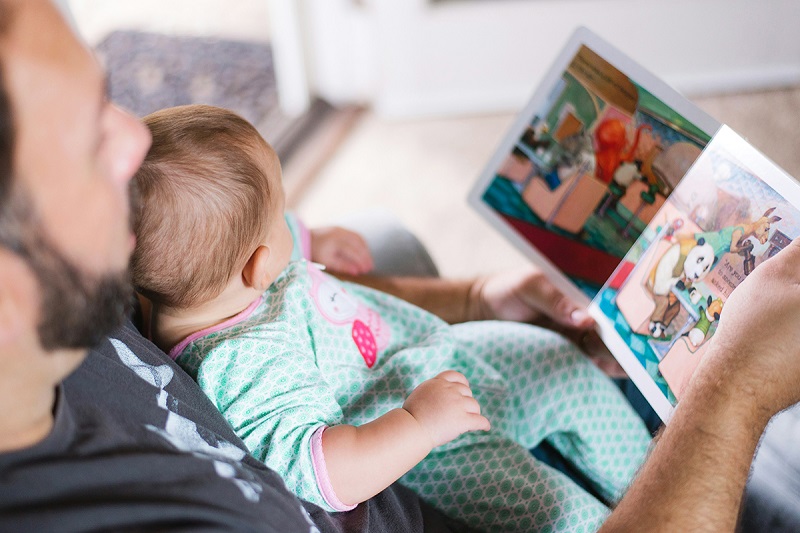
176 351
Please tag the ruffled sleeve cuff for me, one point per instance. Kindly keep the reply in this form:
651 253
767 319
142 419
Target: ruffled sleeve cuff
321 473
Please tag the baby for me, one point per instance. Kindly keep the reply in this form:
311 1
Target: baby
342 389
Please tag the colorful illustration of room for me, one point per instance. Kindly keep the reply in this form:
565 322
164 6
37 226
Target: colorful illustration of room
592 168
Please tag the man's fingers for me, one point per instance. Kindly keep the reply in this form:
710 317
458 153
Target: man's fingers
590 343
561 308
569 313
581 318
789 258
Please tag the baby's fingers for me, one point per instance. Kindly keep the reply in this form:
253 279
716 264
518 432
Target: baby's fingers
478 423
358 253
354 261
471 405
472 411
453 376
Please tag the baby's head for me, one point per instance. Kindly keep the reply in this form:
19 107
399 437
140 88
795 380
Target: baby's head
209 207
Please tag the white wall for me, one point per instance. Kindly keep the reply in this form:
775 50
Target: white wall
414 57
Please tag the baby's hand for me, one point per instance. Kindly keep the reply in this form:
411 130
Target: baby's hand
445 408
340 250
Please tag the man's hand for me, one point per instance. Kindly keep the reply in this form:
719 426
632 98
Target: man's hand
757 342
522 295
340 250
445 408
527 295
696 474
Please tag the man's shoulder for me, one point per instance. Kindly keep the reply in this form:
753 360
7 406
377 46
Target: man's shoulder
134 433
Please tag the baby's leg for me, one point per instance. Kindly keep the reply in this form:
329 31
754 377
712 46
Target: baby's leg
497 485
556 393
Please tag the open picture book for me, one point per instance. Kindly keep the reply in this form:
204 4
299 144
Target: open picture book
638 205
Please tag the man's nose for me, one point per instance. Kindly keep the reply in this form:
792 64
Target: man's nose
133 140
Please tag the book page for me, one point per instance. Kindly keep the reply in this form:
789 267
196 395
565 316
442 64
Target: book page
588 162
732 211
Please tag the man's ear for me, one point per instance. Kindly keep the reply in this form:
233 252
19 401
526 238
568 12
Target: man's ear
255 273
18 297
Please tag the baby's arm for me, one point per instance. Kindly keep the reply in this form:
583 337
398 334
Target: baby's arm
362 461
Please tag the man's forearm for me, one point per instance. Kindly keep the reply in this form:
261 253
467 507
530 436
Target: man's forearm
453 301
695 477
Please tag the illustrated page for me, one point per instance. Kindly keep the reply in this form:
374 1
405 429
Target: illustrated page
732 211
593 157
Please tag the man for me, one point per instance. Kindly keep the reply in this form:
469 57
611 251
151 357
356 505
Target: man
124 443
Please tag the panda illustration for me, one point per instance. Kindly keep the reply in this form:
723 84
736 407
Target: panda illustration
684 263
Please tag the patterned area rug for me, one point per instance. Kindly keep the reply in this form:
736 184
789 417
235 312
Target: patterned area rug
148 71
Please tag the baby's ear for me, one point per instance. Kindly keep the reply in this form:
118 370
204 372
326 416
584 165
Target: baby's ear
255 273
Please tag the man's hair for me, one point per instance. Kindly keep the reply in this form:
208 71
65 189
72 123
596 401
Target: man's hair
201 203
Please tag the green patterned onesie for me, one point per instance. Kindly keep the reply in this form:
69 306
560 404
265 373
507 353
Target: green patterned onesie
314 352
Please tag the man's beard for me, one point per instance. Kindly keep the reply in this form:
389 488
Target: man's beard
77 308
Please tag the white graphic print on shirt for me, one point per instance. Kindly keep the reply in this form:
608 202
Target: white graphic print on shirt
182 432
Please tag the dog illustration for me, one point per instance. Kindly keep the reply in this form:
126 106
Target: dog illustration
735 239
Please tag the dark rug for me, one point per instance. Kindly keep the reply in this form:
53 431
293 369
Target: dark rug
148 72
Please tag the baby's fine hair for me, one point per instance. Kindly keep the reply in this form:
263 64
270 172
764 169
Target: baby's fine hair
201 202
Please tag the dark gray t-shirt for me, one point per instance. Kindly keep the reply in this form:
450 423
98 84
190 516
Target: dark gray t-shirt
137 446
